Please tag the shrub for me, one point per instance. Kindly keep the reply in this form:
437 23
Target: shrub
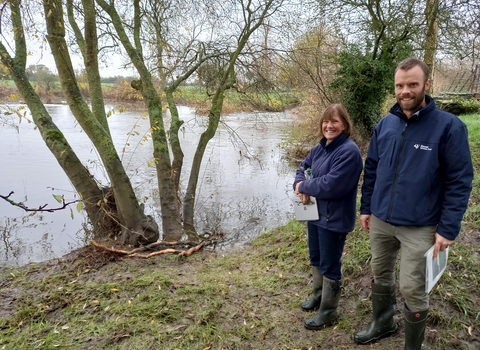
460 105
363 83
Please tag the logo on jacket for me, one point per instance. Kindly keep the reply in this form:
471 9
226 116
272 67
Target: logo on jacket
422 147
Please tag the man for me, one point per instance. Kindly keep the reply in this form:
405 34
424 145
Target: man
417 181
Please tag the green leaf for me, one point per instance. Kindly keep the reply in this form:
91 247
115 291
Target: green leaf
79 206
58 197
71 212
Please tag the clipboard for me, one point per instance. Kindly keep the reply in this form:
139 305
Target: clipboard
435 267
305 212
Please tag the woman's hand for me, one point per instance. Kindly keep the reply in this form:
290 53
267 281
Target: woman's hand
297 192
305 198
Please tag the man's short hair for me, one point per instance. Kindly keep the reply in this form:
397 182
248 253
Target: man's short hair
411 62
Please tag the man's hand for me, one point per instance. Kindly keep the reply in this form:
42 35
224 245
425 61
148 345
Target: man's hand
365 221
441 243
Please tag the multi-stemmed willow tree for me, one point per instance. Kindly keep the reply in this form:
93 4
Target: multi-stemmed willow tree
165 42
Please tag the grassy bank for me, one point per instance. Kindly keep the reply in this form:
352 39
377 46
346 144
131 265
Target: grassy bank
194 96
243 299
273 101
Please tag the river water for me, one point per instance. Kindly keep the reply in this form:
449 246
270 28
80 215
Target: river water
245 184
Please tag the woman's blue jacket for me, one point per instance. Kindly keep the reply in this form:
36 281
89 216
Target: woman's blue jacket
336 169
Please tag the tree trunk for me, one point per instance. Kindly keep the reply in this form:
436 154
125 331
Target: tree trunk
89 48
170 210
176 123
136 227
169 204
80 177
431 11
207 135
175 126
228 80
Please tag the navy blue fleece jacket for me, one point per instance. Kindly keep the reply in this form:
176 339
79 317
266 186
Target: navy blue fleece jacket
419 171
336 168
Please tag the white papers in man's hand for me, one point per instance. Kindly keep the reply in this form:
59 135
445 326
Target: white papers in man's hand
305 212
435 267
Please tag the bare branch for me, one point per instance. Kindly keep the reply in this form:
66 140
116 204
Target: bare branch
40 208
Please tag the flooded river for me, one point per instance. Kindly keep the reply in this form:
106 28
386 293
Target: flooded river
244 186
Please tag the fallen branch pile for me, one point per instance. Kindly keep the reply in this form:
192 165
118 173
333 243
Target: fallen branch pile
136 252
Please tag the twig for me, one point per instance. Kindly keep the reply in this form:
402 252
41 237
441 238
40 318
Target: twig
40 208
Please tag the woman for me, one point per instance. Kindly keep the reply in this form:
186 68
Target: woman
335 165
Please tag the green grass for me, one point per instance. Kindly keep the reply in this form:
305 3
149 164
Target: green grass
6 82
472 216
272 101
245 299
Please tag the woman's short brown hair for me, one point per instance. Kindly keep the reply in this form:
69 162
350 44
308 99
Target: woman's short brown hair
340 110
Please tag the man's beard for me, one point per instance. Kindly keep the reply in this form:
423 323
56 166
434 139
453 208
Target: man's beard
415 104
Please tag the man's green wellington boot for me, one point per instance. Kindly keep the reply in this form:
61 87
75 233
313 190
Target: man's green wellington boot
384 304
415 323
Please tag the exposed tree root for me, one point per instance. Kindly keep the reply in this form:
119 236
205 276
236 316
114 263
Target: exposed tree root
135 252
191 250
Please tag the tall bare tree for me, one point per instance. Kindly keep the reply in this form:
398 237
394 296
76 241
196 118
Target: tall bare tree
311 63
459 31
136 226
253 15
247 16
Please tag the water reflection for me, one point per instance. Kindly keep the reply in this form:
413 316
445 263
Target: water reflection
34 237
244 185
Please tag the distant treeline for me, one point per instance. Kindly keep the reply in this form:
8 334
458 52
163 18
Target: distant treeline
117 78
